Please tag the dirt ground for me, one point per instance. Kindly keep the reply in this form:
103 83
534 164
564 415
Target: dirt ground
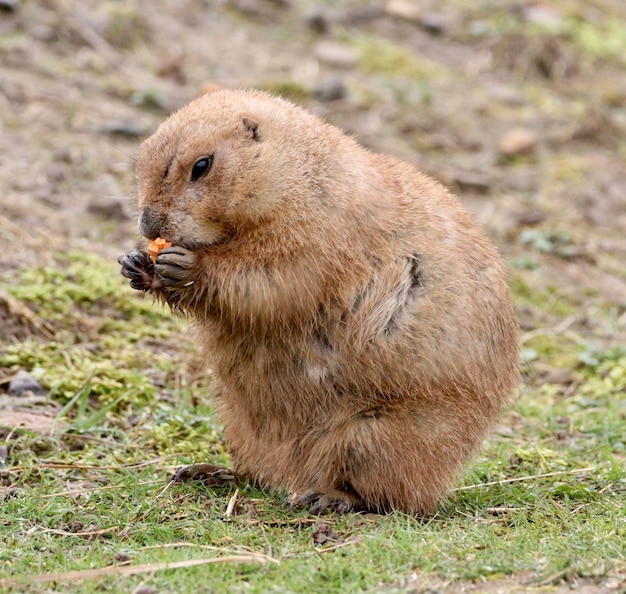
519 106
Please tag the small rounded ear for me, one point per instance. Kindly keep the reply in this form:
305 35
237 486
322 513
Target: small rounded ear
251 128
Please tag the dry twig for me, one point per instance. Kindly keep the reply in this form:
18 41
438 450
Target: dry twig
124 570
231 504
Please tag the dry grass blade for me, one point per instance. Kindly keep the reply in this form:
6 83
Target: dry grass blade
193 545
53 465
94 489
87 533
25 315
531 477
125 570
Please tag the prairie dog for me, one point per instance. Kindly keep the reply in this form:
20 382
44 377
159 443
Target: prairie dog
357 321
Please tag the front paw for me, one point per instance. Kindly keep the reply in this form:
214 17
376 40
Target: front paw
174 267
139 269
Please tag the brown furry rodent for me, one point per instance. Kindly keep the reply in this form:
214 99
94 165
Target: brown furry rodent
358 323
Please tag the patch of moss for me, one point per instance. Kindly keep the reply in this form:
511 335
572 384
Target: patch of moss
605 372
83 286
192 433
538 459
66 369
105 332
549 241
289 89
556 350
549 299
606 40
603 39
598 405
381 56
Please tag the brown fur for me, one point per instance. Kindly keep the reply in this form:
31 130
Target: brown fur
358 323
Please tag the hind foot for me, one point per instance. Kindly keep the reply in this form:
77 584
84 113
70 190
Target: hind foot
322 500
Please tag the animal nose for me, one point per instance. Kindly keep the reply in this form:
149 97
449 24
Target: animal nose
150 223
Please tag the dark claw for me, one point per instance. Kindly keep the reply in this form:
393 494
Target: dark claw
322 503
309 498
325 503
135 263
141 259
139 284
138 267
343 507
294 501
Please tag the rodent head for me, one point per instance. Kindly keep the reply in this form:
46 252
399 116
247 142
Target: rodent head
217 166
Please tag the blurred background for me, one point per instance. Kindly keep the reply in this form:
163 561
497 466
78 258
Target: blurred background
519 106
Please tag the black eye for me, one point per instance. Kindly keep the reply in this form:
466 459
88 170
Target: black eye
201 167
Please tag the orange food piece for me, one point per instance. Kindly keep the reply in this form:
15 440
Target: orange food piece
156 245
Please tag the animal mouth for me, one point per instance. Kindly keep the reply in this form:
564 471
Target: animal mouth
213 234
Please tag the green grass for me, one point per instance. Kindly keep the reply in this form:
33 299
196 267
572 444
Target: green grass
93 491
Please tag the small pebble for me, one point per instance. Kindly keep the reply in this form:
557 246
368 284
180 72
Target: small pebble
434 23
543 15
531 217
471 181
318 21
24 382
4 454
330 90
127 128
145 590
408 10
335 54
519 141
56 172
9 5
